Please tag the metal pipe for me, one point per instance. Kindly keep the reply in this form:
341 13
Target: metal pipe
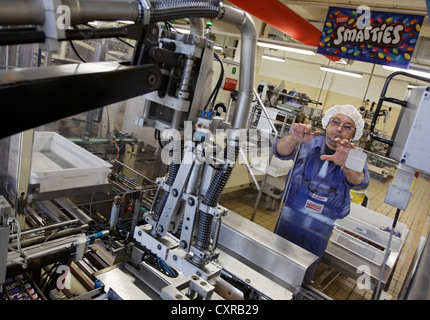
194 180
162 10
50 226
55 235
248 50
112 10
52 211
383 98
63 244
22 12
249 169
265 112
134 171
131 10
115 211
197 26
74 210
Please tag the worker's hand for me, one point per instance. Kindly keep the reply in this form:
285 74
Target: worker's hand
342 149
303 133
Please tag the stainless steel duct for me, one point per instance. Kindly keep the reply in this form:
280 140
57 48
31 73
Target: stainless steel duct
22 12
248 50
83 11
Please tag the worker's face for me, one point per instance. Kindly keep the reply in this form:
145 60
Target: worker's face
339 126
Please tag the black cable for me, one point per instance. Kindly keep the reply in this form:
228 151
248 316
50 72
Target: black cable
47 274
221 77
125 42
119 39
158 134
169 25
215 91
76 52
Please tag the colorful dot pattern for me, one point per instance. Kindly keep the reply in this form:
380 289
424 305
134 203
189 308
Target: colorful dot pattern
396 56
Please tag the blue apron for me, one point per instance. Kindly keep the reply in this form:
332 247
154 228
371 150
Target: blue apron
308 219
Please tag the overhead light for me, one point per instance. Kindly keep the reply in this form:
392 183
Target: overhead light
411 71
273 58
181 30
345 73
284 48
219 48
126 21
342 61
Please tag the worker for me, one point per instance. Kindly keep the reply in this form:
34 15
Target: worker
318 185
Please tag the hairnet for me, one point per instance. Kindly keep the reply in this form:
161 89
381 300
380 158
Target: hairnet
349 111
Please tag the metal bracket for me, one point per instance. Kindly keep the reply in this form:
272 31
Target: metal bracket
160 247
191 288
170 216
191 206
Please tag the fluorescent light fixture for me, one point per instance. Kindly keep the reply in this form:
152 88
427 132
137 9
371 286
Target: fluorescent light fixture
126 21
345 73
219 48
411 71
342 61
273 58
181 30
284 48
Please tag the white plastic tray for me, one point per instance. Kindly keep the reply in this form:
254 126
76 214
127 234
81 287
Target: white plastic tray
368 223
59 164
368 241
364 250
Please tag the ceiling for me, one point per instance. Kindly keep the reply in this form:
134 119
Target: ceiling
315 12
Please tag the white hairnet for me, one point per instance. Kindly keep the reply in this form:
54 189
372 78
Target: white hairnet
349 111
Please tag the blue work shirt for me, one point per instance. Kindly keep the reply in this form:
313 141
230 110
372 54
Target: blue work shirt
309 155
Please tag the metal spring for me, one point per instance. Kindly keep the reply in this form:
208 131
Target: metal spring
162 10
173 171
204 226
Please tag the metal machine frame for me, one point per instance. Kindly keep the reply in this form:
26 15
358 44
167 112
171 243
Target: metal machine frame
184 227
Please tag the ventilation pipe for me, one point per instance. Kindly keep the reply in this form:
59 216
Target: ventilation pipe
278 15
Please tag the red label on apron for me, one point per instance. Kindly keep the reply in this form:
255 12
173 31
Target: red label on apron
313 206
320 198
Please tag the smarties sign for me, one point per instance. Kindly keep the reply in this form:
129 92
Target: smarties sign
372 36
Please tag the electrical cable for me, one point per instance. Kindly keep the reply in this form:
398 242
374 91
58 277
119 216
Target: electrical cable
214 94
119 39
156 262
117 149
157 135
48 274
169 26
220 79
76 52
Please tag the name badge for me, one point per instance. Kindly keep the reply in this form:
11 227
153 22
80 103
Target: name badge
313 206
320 198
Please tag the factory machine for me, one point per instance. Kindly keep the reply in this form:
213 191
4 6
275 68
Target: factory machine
76 227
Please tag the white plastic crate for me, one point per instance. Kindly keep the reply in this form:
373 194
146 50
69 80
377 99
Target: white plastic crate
363 249
368 223
59 164
367 227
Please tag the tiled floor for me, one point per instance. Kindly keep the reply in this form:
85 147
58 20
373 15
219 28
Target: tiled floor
327 280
